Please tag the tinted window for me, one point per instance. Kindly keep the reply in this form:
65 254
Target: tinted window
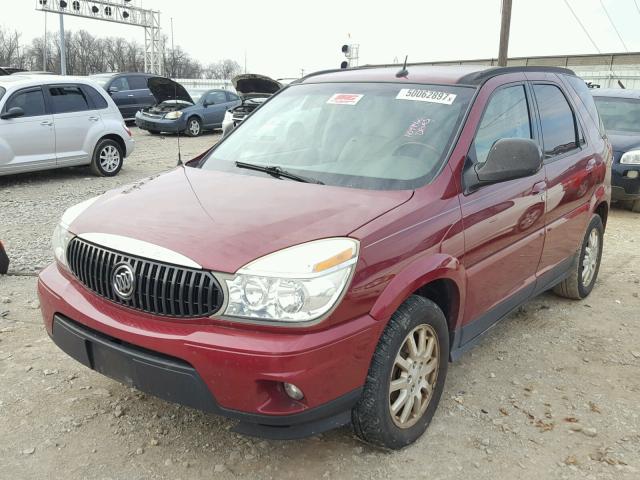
216 97
68 98
31 101
98 100
233 97
120 83
587 100
137 82
506 116
2 90
558 123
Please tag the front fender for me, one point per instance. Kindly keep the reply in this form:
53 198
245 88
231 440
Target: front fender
415 275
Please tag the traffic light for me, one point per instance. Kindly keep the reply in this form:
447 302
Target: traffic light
346 50
350 51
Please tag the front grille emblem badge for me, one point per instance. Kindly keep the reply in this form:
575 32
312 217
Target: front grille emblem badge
123 281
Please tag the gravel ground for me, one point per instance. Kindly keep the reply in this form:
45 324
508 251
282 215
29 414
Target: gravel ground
552 392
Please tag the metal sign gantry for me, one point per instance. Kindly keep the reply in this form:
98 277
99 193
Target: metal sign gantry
123 12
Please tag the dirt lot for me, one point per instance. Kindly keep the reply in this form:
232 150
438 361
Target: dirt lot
552 392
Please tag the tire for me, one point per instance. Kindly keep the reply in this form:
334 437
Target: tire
372 417
154 132
580 282
108 158
635 206
194 127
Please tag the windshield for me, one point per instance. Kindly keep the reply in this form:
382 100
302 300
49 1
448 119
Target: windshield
619 114
101 79
196 93
364 135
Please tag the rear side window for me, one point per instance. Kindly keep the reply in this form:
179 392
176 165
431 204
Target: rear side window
98 100
558 123
68 98
587 100
120 83
506 116
137 82
31 101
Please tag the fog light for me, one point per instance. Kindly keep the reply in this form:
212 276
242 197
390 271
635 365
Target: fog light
293 391
632 174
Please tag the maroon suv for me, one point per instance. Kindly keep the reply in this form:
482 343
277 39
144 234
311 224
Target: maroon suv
322 264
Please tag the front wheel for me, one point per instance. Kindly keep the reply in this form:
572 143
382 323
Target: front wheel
586 264
194 127
107 158
406 376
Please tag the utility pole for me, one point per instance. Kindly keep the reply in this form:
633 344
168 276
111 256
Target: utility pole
63 52
504 33
44 45
173 53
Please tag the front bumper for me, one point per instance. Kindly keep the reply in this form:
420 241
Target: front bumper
160 124
235 372
623 187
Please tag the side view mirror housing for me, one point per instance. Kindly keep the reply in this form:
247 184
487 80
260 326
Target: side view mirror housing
13 112
113 90
508 159
208 102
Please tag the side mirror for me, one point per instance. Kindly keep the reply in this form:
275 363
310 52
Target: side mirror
13 112
508 159
209 102
113 90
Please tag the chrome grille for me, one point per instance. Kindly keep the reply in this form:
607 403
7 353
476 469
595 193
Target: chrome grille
160 288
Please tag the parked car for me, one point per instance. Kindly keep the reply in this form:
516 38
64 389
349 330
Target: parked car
52 121
129 91
4 260
620 112
322 263
176 111
10 70
254 90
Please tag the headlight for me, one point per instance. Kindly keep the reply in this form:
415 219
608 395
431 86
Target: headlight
60 242
61 234
228 117
632 157
173 115
297 284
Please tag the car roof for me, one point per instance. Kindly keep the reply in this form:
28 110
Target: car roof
440 74
24 80
616 92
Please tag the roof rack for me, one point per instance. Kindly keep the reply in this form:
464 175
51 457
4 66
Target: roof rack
481 76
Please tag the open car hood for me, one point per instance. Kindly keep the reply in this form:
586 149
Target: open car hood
166 89
250 85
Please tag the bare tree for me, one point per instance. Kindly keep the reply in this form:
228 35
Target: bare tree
224 69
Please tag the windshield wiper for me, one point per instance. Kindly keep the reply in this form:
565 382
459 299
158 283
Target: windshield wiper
277 172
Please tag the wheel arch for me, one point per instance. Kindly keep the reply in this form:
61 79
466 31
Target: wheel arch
602 209
439 278
116 138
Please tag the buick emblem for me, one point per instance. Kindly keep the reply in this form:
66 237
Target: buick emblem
123 281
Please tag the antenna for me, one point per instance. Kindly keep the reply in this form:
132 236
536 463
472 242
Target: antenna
175 86
403 72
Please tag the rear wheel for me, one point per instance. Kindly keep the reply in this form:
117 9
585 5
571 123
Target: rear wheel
194 127
586 264
107 158
406 376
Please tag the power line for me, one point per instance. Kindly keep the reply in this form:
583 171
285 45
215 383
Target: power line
581 25
614 26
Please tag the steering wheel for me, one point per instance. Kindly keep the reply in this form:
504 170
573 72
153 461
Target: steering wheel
408 145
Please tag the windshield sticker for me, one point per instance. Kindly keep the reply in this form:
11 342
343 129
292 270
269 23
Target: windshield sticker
418 127
344 99
420 95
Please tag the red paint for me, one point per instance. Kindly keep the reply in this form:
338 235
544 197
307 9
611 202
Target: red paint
488 245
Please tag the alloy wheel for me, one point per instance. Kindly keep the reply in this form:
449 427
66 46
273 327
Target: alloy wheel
413 376
590 259
109 158
194 128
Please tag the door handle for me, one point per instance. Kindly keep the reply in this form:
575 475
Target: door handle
46 123
130 95
539 188
591 164
94 119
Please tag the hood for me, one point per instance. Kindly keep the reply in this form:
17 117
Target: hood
223 220
623 143
166 89
251 84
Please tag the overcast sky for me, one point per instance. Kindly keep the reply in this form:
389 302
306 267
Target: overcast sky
280 37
